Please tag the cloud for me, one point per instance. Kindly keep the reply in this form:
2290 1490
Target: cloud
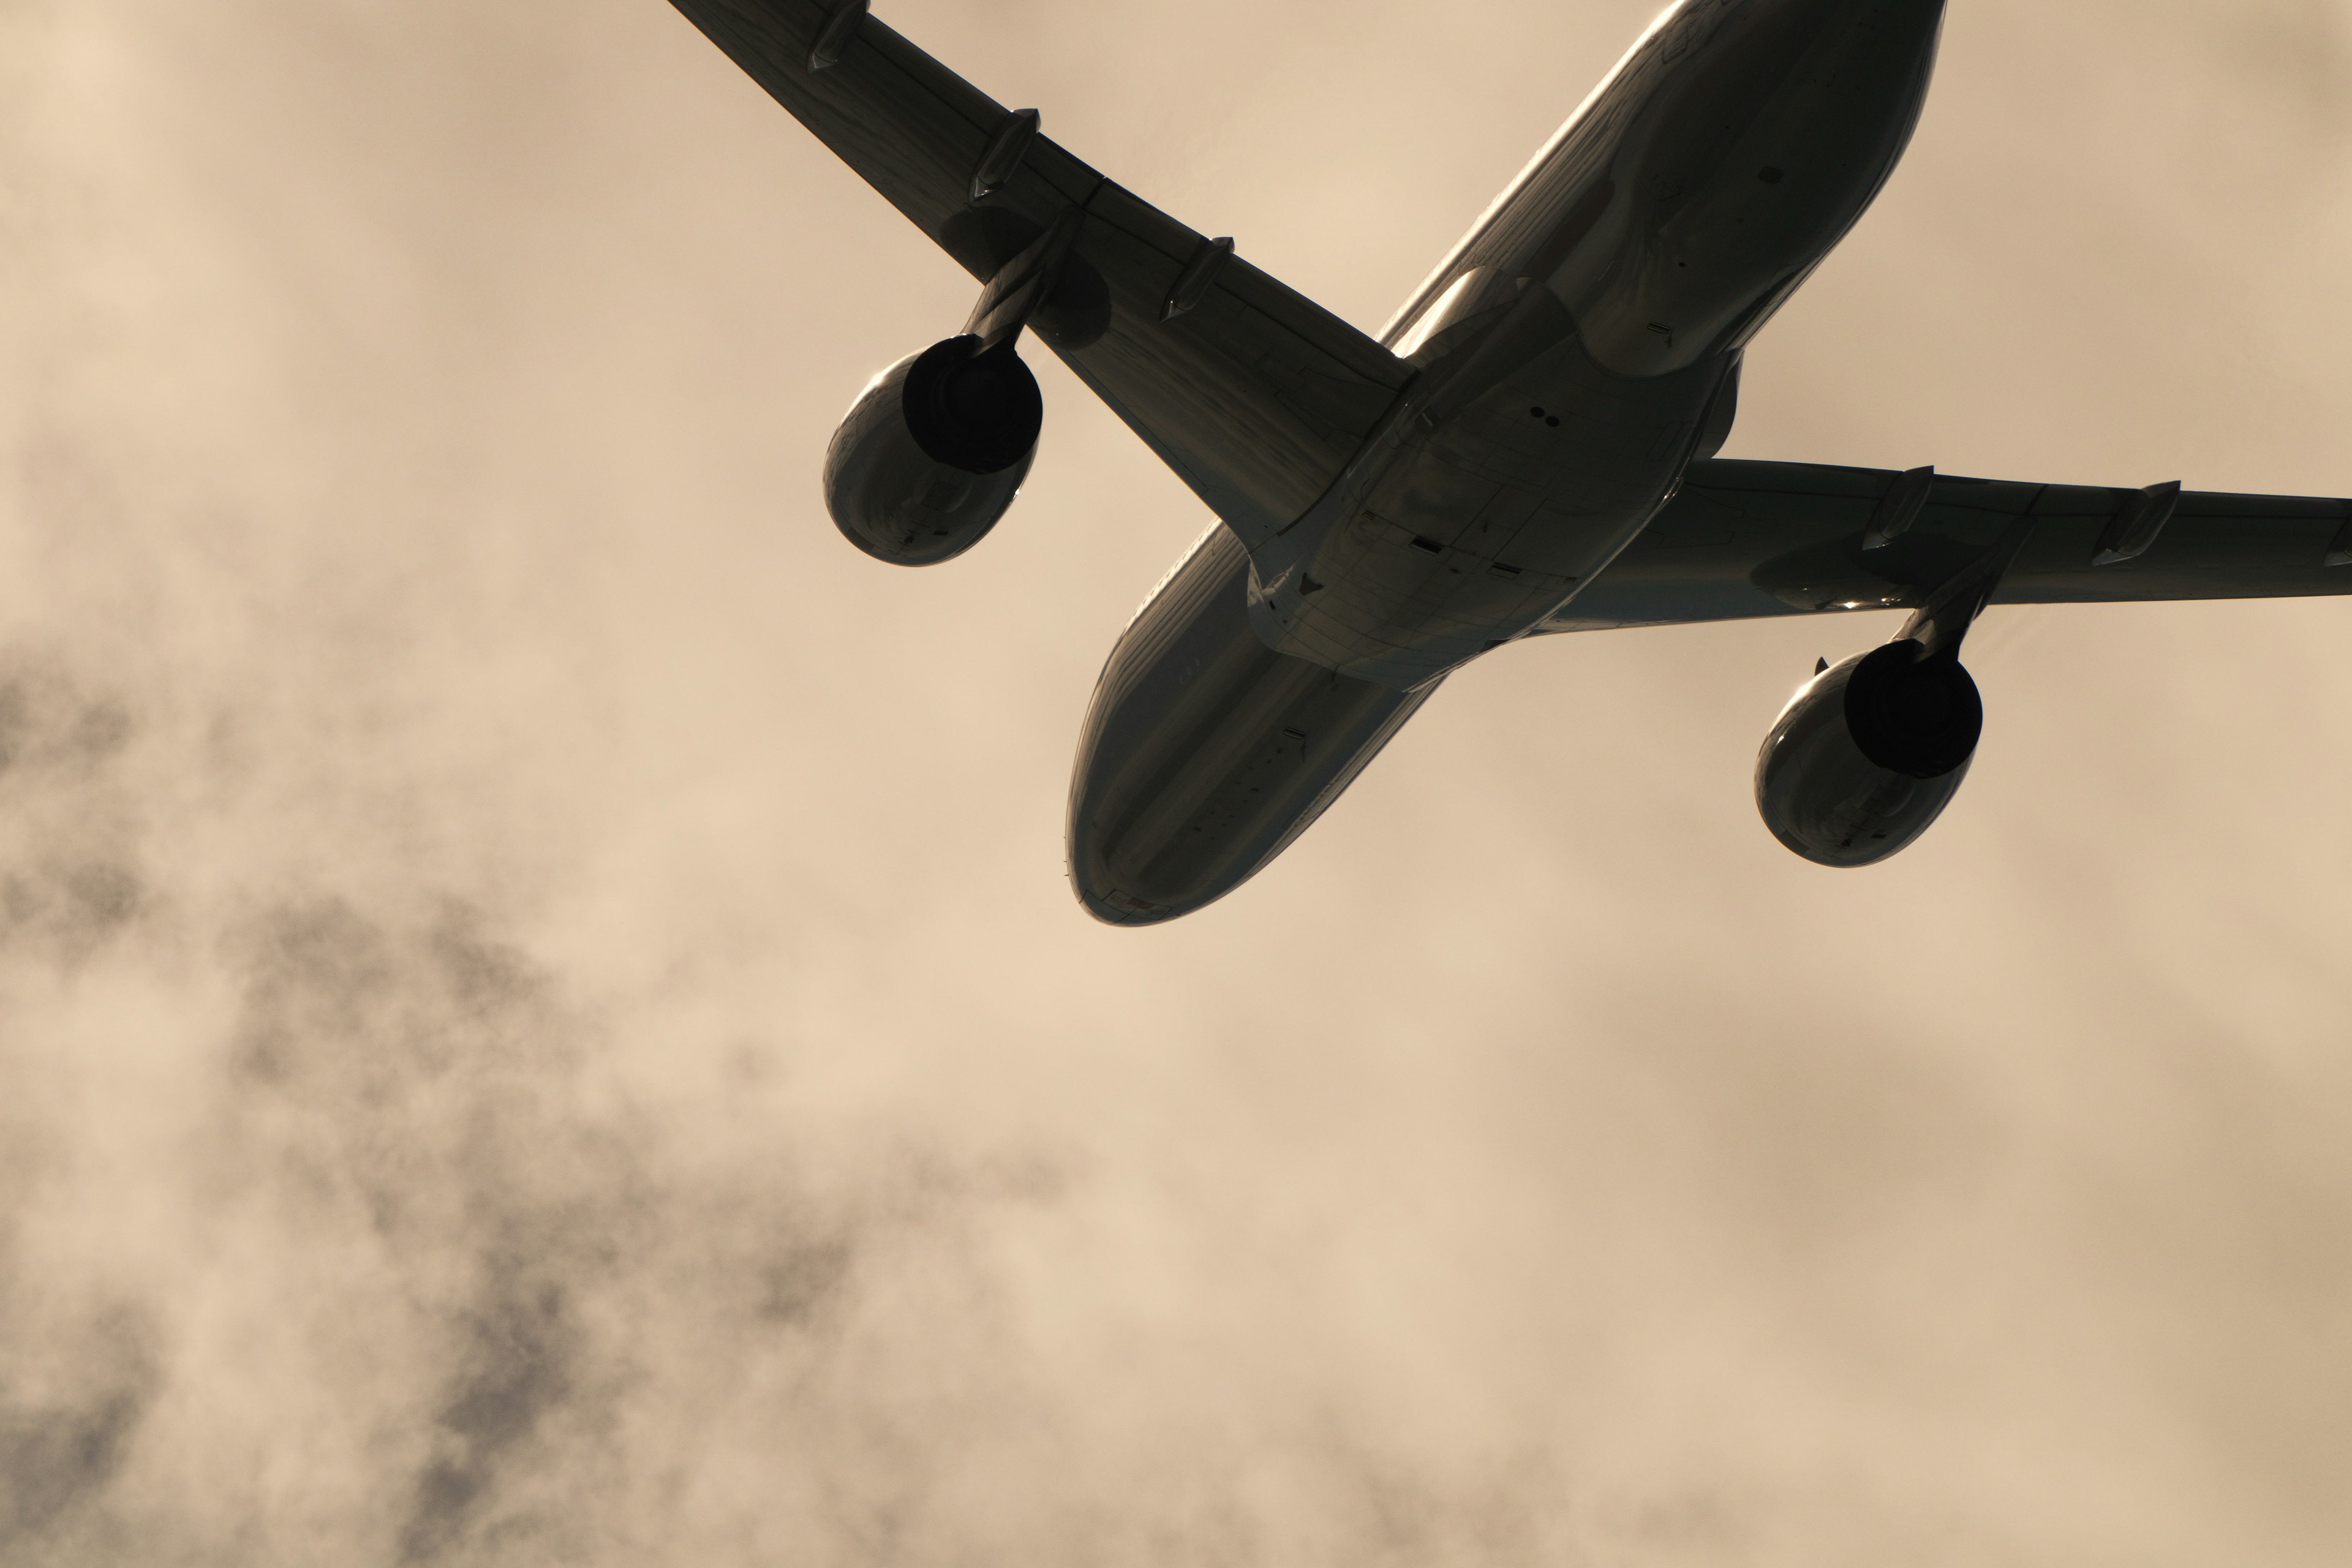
87 1386
539 1016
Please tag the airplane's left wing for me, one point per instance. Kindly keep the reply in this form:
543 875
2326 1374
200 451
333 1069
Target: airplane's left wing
1255 395
1745 540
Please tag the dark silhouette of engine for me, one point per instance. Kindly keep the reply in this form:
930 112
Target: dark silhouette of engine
1869 754
933 452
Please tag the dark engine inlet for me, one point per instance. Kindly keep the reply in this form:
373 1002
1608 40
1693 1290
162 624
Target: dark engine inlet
1869 754
933 452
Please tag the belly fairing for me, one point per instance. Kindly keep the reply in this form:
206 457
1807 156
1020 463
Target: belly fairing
1206 753
1487 517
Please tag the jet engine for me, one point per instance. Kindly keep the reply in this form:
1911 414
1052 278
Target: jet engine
1865 758
933 452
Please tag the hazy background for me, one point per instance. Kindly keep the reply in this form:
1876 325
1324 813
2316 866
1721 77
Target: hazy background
541 1021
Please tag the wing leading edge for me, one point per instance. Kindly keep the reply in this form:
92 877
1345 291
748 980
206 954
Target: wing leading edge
1255 395
1743 540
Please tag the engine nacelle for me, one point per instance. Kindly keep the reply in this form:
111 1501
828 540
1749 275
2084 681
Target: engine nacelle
933 452
1865 758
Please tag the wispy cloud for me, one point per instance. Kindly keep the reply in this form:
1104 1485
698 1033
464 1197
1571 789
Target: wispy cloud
538 1019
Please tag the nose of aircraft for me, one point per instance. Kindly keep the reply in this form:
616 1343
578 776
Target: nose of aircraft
1206 753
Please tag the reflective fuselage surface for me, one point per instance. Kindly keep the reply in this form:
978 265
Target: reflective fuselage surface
1206 753
1574 354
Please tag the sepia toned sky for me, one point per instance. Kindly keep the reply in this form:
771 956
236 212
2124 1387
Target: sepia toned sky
540 1019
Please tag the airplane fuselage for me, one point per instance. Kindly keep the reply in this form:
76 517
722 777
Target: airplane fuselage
1574 346
1574 354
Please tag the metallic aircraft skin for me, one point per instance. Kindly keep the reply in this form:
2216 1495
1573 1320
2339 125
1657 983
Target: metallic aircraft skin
1613 288
1529 448
1570 355
1205 751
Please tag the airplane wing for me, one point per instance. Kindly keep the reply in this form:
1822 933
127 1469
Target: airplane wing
1256 397
1742 541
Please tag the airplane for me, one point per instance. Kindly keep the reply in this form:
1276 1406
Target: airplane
1527 448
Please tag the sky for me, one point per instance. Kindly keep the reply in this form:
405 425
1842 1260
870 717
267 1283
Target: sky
541 1016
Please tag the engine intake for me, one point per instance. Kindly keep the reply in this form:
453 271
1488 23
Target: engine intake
933 452
1867 756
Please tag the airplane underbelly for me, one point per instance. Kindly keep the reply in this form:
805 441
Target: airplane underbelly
1206 753
1489 521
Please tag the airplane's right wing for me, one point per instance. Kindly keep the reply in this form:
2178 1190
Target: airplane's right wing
1742 541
